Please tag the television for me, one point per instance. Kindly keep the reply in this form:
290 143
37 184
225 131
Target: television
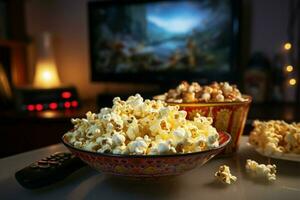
163 41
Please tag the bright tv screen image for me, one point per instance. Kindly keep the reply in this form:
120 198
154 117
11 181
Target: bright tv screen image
161 36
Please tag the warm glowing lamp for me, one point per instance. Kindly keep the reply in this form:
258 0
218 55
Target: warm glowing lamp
289 68
46 75
292 82
287 46
47 92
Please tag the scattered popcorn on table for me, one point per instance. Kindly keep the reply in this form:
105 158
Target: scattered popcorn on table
138 127
275 137
224 175
193 93
261 170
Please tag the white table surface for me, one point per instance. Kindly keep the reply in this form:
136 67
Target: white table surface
196 184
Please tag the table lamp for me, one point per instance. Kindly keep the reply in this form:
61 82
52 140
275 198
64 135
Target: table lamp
46 75
47 92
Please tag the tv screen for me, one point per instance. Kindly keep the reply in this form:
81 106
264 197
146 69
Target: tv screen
144 40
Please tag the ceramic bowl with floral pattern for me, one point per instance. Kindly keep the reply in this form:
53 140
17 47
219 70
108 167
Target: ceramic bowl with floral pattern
147 166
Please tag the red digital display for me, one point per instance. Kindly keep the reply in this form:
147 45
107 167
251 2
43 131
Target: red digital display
53 106
30 107
67 104
39 107
66 95
54 99
74 104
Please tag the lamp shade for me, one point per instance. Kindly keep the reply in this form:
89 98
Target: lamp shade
46 74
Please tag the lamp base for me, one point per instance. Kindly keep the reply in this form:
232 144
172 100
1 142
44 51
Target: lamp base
32 99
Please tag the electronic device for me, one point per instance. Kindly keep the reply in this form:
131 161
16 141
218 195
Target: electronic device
163 41
32 99
48 170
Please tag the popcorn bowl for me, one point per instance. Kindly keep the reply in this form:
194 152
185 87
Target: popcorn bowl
147 166
227 116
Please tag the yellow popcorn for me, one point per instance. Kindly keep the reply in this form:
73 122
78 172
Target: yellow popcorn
160 146
139 127
224 175
261 170
194 92
275 137
118 139
133 129
139 146
120 150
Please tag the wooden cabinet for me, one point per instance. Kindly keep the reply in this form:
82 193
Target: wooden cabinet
14 59
13 41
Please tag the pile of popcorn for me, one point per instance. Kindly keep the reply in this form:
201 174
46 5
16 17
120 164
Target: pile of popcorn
275 137
138 127
261 170
253 168
193 93
224 175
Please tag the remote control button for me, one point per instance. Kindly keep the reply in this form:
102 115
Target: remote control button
53 159
57 154
44 166
53 162
42 162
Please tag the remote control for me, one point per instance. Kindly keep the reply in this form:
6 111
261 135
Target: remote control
48 170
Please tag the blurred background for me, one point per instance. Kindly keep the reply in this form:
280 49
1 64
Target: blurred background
61 58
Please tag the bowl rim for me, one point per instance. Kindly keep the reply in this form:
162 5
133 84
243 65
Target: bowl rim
220 147
210 103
